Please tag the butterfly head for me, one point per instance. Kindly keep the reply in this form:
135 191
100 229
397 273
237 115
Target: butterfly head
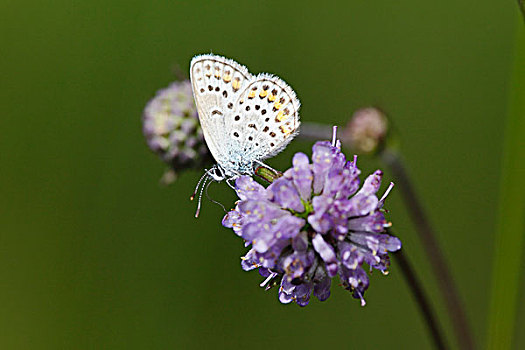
217 173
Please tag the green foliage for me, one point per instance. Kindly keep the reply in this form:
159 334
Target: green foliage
508 255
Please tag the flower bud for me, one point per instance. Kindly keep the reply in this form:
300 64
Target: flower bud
366 130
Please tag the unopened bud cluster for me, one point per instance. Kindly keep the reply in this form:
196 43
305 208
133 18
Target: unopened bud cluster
172 130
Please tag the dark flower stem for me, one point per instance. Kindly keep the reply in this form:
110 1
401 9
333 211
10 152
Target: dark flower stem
314 131
421 298
432 250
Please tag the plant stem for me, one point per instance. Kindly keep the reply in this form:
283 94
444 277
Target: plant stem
315 131
421 299
432 250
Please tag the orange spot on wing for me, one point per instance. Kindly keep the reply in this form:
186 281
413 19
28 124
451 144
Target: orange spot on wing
280 116
236 84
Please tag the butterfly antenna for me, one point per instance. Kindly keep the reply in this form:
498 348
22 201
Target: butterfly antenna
200 196
198 184
214 201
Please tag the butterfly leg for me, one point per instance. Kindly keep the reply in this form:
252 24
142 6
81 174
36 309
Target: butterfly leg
228 181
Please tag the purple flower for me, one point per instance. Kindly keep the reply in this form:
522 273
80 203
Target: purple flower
313 223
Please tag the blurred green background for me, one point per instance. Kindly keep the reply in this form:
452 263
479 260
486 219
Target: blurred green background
95 254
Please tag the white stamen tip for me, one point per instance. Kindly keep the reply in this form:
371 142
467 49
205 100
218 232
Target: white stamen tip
334 135
268 279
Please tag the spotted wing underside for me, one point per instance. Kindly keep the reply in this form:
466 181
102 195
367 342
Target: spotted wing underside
217 83
245 119
265 117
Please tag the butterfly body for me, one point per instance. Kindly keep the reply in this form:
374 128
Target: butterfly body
245 118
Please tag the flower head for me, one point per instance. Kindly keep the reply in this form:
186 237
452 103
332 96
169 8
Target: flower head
172 130
313 223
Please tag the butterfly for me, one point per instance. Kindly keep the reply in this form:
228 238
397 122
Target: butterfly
244 118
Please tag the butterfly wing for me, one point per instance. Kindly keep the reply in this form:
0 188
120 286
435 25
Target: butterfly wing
265 118
217 83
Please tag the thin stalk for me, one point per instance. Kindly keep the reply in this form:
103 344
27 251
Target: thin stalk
421 299
432 250
315 131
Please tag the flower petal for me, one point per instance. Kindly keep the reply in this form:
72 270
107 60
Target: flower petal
327 254
248 188
302 175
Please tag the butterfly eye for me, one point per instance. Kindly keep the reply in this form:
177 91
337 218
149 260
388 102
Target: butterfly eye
219 173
